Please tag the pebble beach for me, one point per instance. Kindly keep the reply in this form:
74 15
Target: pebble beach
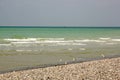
106 69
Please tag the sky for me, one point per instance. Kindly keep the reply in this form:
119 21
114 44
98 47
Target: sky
59 12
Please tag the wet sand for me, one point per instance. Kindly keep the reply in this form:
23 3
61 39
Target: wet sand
106 69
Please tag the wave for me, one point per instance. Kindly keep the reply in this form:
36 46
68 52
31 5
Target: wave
115 39
52 40
88 40
107 38
21 40
57 41
37 44
71 44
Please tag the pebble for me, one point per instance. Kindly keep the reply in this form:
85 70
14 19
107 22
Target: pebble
106 69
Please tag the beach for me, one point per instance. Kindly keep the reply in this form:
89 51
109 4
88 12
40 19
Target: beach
105 69
59 40
23 47
59 53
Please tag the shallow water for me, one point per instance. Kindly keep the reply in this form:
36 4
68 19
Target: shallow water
29 47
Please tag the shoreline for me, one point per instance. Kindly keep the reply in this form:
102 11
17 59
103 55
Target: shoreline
58 64
105 69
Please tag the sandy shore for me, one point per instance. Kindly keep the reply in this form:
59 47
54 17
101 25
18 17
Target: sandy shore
107 69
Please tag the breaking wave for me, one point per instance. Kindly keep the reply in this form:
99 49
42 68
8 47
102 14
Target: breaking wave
37 43
58 41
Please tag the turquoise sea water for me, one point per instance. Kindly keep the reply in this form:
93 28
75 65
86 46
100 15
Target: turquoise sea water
67 33
32 46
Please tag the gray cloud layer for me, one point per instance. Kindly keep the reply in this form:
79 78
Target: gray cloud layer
60 12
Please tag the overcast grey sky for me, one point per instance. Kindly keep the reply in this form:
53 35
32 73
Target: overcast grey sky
60 12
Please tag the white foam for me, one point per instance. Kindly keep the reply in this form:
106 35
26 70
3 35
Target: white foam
47 41
88 40
105 38
78 44
115 39
98 41
51 39
56 41
70 44
21 40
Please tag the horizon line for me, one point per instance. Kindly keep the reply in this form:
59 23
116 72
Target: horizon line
57 26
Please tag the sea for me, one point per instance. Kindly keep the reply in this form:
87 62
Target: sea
29 47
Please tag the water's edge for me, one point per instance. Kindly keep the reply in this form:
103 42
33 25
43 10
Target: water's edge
58 64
